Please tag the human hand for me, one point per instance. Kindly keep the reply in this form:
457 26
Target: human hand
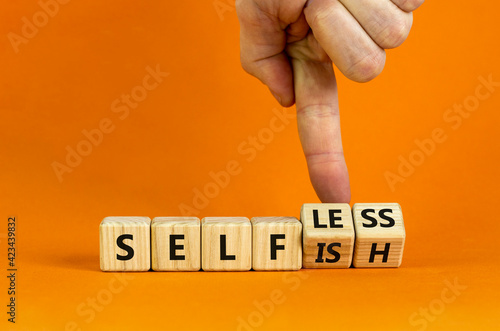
289 45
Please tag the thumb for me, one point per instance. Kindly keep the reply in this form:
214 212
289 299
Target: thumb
318 122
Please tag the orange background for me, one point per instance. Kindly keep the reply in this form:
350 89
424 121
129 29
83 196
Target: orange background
64 80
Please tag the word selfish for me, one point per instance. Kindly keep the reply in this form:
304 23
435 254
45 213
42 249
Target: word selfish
326 236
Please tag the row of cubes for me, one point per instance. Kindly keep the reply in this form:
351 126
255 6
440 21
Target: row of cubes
326 236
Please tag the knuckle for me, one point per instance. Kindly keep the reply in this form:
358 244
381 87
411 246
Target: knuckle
322 157
240 5
411 5
317 14
367 67
320 110
247 65
246 10
396 32
314 16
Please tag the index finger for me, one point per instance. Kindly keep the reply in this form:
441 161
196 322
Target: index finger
318 122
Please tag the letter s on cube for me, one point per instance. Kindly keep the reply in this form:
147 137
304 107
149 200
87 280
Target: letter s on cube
125 243
380 235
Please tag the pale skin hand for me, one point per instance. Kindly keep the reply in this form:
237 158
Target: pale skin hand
289 45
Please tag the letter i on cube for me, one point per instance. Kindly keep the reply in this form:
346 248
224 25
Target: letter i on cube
328 235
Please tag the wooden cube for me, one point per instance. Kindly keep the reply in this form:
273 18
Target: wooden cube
226 244
175 244
328 235
380 234
125 243
277 243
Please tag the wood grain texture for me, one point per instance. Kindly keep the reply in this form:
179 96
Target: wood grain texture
109 231
175 244
328 235
380 235
277 243
236 233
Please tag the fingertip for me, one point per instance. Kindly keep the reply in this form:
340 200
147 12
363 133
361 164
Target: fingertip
284 100
288 101
331 182
336 196
288 104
